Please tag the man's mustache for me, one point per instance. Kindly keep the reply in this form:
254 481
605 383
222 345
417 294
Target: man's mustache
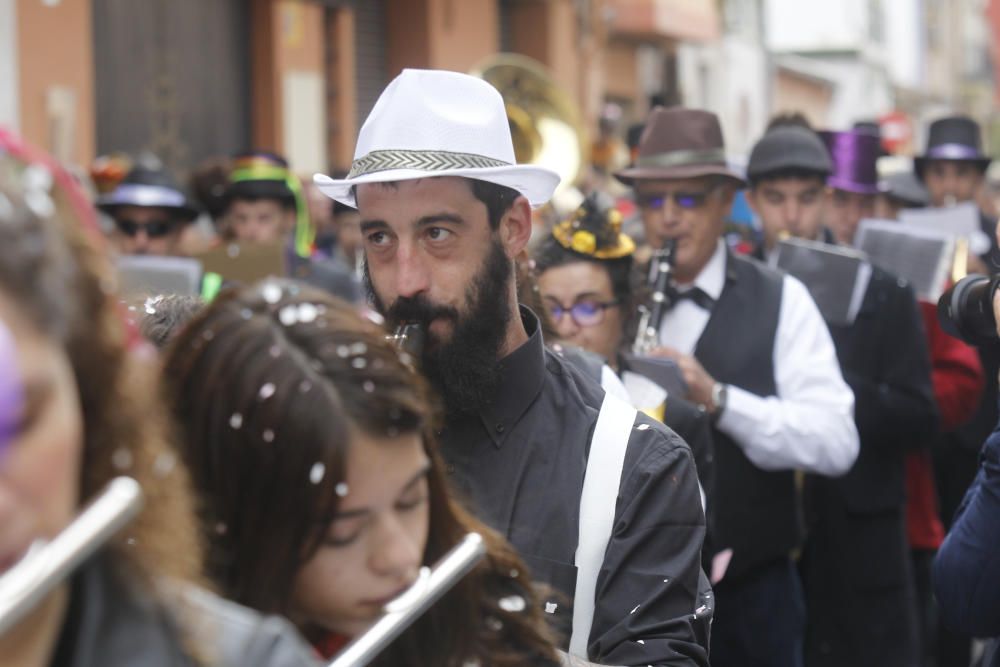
418 309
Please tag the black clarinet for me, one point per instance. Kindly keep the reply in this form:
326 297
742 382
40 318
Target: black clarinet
650 316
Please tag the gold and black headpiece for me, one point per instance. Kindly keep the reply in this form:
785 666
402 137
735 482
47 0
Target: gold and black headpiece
595 230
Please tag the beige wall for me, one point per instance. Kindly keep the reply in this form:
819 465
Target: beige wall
342 88
289 41
302 71
300 36
56 78
678 19
592 45
408 32
547 32
462 33
550 31
621 71
440 34
265 81
793 92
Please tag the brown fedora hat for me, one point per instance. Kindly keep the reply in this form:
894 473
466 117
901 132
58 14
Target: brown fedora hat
680 143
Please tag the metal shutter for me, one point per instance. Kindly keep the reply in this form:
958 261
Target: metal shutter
370 50
172 77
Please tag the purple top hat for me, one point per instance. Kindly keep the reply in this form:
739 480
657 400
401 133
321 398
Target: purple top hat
854 155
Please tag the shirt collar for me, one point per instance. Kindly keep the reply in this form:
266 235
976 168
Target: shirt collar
713 276
522 374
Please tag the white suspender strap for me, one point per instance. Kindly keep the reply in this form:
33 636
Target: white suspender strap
597 510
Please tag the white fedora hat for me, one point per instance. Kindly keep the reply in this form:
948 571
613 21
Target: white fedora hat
435 123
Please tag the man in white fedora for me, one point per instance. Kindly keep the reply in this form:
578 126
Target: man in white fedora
601 502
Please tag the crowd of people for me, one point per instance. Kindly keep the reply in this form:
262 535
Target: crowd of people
673 455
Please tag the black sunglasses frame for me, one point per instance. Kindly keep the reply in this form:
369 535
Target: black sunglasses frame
155 229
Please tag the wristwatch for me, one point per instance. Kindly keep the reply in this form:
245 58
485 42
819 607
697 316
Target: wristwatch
720 395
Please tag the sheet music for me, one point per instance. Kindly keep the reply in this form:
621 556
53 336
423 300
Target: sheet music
245 262
664 372
150 275
959 220
920 256
837 277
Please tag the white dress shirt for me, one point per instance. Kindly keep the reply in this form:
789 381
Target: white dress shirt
809 425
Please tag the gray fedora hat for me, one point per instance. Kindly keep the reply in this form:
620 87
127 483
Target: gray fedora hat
789 148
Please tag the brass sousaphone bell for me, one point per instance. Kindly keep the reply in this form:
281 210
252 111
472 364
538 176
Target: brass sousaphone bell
544 121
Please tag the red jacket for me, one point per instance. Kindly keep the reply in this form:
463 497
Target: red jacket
958 385
330 644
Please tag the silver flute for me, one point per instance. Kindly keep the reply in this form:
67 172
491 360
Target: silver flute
409 338
408 606
46 565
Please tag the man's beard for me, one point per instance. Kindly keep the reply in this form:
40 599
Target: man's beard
464 369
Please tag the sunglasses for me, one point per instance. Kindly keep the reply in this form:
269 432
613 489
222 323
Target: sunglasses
583 313
687 201
155 229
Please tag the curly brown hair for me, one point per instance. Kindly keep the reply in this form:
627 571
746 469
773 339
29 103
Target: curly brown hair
54 270
329 372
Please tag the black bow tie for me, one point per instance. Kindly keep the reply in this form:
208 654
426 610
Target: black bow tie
696 294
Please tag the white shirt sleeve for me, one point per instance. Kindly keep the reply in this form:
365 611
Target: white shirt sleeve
809 425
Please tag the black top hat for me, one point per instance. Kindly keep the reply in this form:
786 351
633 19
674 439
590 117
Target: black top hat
154 188
955 138
873 128
789 148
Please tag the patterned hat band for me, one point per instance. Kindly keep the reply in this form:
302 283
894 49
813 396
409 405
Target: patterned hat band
385 160
682 158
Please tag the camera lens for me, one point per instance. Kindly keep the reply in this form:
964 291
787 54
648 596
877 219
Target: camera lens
966 310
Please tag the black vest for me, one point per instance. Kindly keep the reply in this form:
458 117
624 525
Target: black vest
757 513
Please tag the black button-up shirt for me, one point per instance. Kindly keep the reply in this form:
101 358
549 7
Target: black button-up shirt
521 462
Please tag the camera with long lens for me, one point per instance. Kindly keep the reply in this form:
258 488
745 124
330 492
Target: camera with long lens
966 310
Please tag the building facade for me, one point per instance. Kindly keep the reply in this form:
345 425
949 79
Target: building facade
189 79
